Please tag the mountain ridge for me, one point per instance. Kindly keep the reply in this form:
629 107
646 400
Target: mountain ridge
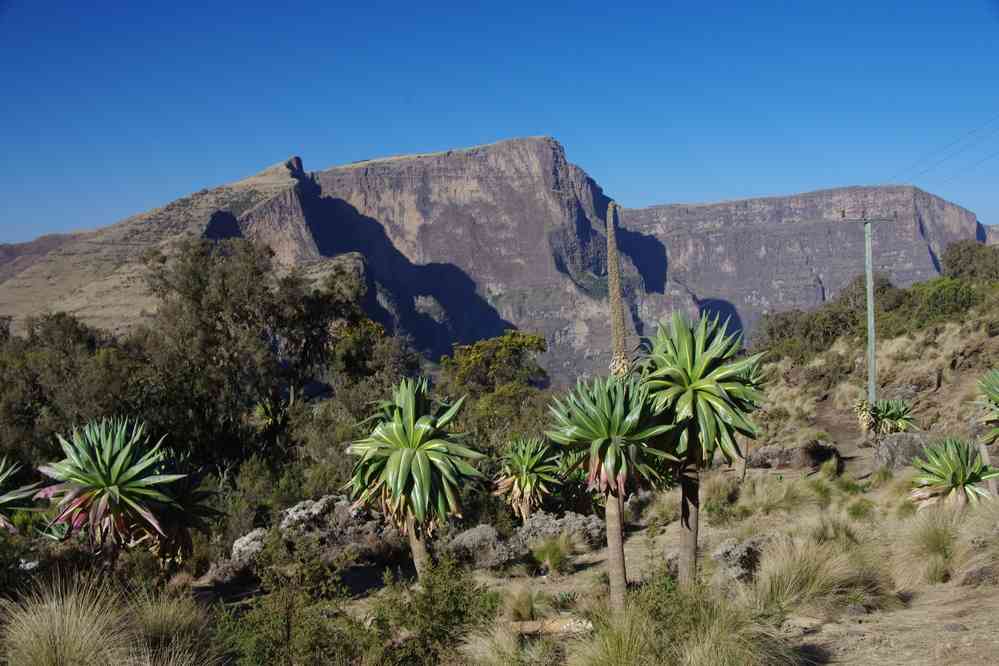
461 244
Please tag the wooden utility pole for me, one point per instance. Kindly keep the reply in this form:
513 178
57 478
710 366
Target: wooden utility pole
872 350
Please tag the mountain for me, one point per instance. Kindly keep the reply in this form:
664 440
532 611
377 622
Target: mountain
463 244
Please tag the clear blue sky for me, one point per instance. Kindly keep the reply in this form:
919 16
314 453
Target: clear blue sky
110 110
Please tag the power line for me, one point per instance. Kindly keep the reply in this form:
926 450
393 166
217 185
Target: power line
975 165
961 139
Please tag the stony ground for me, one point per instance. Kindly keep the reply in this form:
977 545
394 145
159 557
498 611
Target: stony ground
941 624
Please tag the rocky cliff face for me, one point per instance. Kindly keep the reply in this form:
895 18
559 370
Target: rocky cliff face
463 244
745 258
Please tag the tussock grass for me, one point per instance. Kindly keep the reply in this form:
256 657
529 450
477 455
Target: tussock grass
502 646
699 627
719 497
170 626
619 639
928 548
861 509
769 494
833 529
523 604
553 556
980 536
663 510
66 621
804 574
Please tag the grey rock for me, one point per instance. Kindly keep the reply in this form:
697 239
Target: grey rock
590 530
770 457
856 609
808 456
483 547
738 560
897 451
986 574
246 548
954 626
308 513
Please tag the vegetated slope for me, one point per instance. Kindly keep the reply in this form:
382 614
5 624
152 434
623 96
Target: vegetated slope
463 244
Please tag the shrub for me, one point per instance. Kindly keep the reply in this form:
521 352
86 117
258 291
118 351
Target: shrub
66 621
287 626
971 260
437 616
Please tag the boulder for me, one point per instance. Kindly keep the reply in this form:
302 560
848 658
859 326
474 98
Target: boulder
309 513
897 451
589 530
246 548
814 454
483 547
809 456
770 457
738 560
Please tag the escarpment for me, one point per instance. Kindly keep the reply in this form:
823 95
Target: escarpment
463 244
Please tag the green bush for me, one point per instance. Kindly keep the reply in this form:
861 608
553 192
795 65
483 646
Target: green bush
289 627
425 623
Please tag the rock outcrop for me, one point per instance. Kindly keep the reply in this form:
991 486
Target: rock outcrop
464 244
897 450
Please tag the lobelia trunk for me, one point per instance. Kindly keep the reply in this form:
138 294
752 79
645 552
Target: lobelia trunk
421 558
616 571
690 510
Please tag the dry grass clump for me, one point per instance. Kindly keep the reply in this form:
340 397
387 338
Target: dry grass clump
824 577
66 621
553 556
929 548
503 646
833 529
663 510
980 534
846 394
87 621
170 626
769 494
523 604
629 638
719 496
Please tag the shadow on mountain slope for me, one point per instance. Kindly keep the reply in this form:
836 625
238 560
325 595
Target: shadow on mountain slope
724 310
436 304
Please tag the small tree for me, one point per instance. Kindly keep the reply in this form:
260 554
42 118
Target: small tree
529 470
611 420
706 391
412 466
